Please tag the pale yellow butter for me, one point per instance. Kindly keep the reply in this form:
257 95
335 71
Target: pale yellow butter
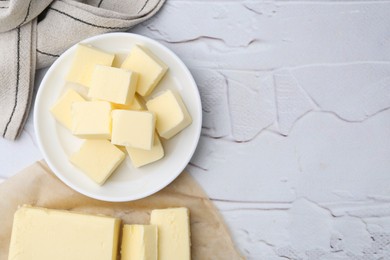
139 242
140 157
173 233
91 119
43 234
133 128
97 159
113 84
172 115
137 104
150 68
84 62
62 109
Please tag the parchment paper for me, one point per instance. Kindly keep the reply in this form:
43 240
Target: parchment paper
37 186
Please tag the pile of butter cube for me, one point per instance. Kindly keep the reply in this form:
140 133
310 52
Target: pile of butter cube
115 116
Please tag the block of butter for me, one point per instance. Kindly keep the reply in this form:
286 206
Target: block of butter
137 104
97 159
140 157
45 234
91 119
62 109
150 68
173 233
172 115
84 62
113 84
139 242
133 128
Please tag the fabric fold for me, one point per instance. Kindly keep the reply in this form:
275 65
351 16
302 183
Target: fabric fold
17 75
27 44
14 14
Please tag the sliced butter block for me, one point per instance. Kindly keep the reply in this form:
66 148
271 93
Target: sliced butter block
171 113
139 242
150 68
91 119
84 62
97 159
45 234
62 109
113 84
140 157
137 104
173 233
133 128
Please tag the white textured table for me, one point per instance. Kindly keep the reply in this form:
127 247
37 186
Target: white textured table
295 147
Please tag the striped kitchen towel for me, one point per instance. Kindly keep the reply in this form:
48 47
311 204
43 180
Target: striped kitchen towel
33 33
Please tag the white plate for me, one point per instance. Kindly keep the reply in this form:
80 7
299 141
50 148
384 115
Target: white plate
127 183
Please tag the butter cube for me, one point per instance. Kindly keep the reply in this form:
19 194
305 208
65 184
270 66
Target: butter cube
62 109
84 62
46 234
97 159
91 119
113 84
139 242
172 115
141 157
137 104
133 128
173 233
150 68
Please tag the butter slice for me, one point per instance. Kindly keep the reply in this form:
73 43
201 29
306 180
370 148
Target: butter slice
150 68
91 119
137 104
133 128
113 84
45 234
172 115
139 242
140 157
173 233
84 62
98 159
62 109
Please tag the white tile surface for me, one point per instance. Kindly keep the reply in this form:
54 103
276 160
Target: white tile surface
295 144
